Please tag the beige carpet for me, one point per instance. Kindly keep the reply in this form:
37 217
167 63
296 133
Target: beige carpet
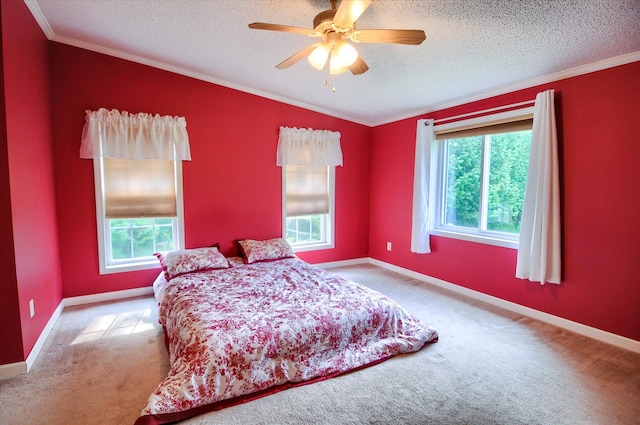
102 361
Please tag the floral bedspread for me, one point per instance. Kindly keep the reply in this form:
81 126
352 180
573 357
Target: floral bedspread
252 327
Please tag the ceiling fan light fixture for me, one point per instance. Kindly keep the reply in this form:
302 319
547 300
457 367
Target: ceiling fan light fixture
337 29
319 55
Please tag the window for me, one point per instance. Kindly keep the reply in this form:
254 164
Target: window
308 159
481 179
139 212
308 206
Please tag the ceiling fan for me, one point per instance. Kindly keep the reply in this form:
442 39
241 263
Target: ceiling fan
335 27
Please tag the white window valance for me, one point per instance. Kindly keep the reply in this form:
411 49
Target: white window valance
301 146
115 134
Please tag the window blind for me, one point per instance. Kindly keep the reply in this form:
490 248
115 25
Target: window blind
139 188
307 190
492 127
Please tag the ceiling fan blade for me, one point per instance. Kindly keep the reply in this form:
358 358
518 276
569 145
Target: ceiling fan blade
281 28
359 67
297 56
414 37
349 11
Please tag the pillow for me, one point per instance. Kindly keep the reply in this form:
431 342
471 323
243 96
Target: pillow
273 249
236 261
176 263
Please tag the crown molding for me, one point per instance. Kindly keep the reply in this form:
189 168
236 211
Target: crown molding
197 75
524 84
39 17
560 75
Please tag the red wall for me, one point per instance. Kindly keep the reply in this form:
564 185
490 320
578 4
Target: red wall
232 187
29 203
10 329
597 115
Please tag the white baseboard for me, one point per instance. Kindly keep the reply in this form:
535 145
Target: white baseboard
33 355
343 263
107 296
579 328
20 368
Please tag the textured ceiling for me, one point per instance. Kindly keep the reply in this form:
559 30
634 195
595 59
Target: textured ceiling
473 48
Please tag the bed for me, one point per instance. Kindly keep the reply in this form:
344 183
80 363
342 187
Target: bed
241 328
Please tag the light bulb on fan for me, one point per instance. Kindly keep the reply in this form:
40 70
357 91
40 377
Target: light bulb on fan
319 55
335 64
347 54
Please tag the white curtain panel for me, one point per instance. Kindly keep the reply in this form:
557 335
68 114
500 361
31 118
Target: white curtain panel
539 248
305 146
115 134
420 243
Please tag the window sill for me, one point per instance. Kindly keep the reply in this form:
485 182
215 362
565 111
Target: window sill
130 267
312 247
484 239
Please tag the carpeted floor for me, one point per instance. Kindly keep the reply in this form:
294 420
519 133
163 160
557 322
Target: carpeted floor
490 366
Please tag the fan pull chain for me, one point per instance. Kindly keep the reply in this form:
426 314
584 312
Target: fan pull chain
333 83
326 69
333 80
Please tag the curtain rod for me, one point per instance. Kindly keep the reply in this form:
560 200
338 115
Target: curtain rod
513 105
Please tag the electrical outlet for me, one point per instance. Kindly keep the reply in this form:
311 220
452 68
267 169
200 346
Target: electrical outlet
388 246
32 308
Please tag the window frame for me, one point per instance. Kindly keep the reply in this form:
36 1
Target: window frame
436 214
106 266
328 219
